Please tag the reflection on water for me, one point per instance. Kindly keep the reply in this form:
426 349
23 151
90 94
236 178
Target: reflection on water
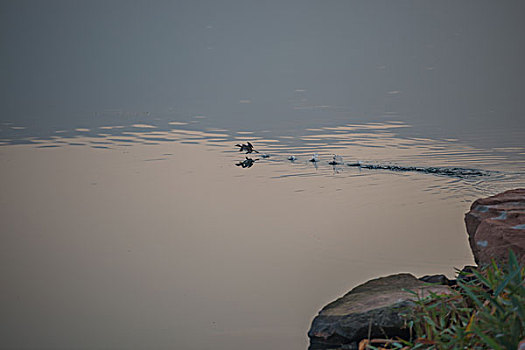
140 235
131 220
247 163
366 147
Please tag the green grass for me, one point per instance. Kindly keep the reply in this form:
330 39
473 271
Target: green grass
486 310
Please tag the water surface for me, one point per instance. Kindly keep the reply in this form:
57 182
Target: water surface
156 239
125 222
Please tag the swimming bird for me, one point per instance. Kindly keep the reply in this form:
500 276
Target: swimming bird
336 160
315 158
291 158
265 155
248 147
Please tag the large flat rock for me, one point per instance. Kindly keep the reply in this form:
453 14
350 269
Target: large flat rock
497 224
375 304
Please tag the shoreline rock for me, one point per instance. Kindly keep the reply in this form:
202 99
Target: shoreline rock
372 309
497 224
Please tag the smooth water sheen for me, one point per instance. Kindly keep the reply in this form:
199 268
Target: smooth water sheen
156 239
129 218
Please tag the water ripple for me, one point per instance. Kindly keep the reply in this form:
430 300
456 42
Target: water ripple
369 146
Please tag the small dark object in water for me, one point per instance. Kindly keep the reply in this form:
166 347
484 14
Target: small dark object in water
315 158
334 161
248 147
247 163
265 155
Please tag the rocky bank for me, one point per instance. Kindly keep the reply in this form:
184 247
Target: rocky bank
497 224
494 225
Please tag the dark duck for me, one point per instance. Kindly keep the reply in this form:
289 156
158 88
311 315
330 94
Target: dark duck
248 147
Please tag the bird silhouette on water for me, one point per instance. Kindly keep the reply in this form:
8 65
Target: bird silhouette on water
248 147
315 158
336 160
247 163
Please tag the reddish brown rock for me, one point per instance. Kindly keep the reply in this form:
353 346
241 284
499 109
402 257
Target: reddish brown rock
370 309
497 224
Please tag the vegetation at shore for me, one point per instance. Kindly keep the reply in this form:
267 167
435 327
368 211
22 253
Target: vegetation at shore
486 310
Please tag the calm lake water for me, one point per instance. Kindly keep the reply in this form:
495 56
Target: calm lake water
127 218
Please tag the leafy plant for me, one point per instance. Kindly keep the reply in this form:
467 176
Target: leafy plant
486 310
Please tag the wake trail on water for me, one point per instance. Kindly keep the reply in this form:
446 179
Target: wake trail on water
454 171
